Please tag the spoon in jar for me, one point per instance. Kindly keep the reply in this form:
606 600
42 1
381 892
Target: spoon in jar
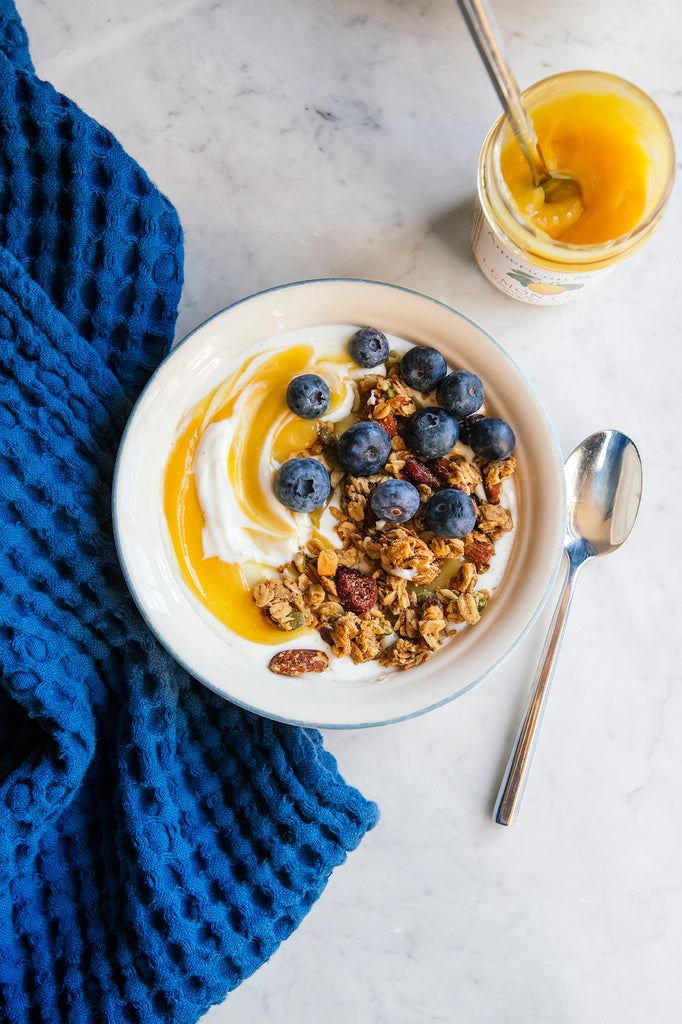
484 30
604 488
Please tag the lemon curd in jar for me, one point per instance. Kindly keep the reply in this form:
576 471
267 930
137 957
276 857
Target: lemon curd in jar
222 463
614 141
590 137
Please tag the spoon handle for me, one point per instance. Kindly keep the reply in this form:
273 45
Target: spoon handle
484 31
513 784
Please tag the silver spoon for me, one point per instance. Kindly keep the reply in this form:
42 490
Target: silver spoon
486 34
604 487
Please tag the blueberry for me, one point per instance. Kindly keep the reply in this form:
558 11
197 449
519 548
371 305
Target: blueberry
364 448
396 501
308 396
461 393
431 432
423 368
302 484
491 439
369 347
450 513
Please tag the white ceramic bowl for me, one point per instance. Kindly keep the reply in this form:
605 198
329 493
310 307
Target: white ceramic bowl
206 648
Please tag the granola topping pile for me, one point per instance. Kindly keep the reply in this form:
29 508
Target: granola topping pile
393 592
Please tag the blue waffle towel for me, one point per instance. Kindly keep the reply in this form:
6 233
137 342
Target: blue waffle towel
156 842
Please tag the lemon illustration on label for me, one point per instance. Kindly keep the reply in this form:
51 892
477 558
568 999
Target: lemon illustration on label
540 287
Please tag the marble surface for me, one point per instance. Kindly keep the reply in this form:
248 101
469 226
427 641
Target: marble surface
321 139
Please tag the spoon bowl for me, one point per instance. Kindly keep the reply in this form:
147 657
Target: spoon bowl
604 489
559 188
604 484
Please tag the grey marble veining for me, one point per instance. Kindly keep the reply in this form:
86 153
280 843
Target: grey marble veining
321 139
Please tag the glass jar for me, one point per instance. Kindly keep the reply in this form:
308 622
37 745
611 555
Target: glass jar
525 262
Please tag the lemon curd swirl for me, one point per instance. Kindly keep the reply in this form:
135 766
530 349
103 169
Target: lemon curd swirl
263 434
592 138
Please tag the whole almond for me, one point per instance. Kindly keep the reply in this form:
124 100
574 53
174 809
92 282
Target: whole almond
478 548
296 662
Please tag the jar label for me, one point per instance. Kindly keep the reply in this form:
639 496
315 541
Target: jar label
520 279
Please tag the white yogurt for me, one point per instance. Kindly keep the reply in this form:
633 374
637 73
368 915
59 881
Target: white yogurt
229 533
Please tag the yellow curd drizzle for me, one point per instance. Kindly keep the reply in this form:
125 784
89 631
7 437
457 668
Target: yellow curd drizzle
590 137
264 429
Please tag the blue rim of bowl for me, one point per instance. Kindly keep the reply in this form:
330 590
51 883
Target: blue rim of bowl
302 723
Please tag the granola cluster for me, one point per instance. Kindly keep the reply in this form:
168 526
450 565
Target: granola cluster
391 592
